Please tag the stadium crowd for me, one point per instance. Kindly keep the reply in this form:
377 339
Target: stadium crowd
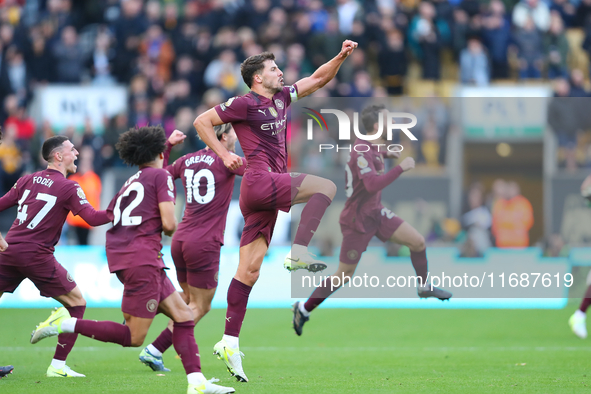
181 57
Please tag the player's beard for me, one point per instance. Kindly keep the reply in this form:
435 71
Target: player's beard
273 89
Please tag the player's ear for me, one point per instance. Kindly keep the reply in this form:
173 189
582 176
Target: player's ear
161 156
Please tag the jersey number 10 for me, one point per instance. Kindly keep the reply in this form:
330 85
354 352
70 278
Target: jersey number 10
192 184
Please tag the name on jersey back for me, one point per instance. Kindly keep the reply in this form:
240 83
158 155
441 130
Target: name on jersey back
43 181
199 159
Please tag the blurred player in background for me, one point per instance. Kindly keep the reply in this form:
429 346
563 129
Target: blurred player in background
6 371
364 216
141 210
44 200
578 321
260 120
197 243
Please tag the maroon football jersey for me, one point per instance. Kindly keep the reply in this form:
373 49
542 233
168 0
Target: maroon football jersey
261 127
208 191
44 200
135 238
362 209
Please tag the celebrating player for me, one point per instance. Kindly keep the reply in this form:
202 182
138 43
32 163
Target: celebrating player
44 200
578 321
364 216
142 209
196 244
260 118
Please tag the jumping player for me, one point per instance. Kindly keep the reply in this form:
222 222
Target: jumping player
260 120
364 216
141 210
196 244
44 200
578 321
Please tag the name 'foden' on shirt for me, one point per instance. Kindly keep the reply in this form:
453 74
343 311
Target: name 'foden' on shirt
198 159
43 181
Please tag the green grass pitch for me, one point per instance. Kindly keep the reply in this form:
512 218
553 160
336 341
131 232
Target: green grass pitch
341 351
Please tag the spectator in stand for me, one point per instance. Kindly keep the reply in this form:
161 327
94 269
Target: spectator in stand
512 218
224 73
393 62
91 184
68 57
100 61
564 122
159 51
474 64
496 34
11 159
577 84
536 10
128 29
567 11
556 48
426 36
583 16
16 70
347 11
17 117
40 61
530 53
478 220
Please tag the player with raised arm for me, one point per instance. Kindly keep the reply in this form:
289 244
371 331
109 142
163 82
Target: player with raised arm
578 321
141 210
44 200
364 216
260 121
197 243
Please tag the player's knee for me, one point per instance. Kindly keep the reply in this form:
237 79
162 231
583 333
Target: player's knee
418 244
252 276
329 188
137 340
186 314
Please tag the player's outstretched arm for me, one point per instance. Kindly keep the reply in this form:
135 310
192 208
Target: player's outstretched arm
96 218
168 218
376 183
326 72
204 126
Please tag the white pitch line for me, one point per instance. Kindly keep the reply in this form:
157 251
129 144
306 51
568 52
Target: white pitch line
332 349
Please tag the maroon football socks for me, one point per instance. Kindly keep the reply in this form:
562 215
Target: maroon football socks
183 338
419 262
319 294
586 301
311 216
164 340
65 342
238 294
104 331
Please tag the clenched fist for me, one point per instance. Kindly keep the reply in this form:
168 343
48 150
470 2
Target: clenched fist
407 164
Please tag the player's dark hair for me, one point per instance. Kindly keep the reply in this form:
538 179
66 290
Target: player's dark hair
254 65
142 145
222 129
370 116
51 144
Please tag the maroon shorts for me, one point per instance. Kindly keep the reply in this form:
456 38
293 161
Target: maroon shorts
197 263
48 275
262 195
144 288
355 243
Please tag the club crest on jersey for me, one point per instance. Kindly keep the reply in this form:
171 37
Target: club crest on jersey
273 111
279 104
81 194
152 305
